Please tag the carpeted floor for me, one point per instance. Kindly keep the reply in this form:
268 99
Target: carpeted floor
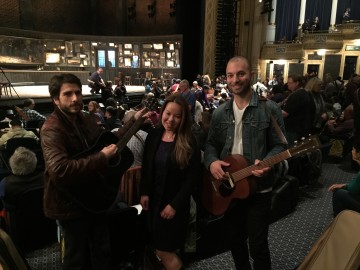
290 237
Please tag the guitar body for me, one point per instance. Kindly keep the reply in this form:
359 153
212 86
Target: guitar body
217 194
102 189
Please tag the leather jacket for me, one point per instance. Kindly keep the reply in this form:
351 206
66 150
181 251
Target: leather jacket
259 140
61 140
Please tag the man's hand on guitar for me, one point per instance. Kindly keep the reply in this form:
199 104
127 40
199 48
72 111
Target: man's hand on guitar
260 172
144 201
168 212
141 113
109 150
216 169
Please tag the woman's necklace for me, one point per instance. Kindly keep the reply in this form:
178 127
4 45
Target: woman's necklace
167 136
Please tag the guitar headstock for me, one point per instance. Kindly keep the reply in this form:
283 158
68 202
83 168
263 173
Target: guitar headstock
306 145
151 103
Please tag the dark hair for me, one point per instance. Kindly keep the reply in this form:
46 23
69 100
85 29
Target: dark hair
15 122
57 81
206 87
298 78
113 111
111 102
28 102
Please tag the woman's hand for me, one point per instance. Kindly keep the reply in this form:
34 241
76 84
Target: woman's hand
144 201
168 212
336 186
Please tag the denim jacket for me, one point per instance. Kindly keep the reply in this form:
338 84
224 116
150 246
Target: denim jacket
260 139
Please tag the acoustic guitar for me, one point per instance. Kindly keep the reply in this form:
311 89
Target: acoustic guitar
101 194
240 183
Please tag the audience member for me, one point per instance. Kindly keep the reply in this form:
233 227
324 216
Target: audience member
243 126
16 131
184 89
107 91
170 171
347 196
28 113
318 108
112 120
136 142
297 110
333 88
120 92
24 176
343 125
96 113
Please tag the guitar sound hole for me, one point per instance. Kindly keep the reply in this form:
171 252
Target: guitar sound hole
225 188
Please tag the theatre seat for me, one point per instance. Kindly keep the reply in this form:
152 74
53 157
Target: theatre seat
129 185
14 143
28 226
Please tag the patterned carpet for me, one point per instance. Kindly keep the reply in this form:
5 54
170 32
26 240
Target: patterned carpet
290 237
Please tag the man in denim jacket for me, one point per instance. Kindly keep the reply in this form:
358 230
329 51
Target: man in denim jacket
243 126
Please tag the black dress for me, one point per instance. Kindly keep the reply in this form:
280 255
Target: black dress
166 183
168 234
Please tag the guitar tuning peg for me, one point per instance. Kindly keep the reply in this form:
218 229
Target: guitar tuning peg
303 138
295 142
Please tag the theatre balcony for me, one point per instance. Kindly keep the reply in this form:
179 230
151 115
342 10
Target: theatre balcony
282 50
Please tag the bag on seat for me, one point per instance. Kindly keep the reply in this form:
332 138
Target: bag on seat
338 247
10 258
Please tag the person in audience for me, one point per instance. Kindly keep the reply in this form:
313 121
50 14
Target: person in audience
319 116
66 133
347 196
28 113
112 120
16 131
96 113
170 171
343 125
107 91
243 126
136 142
184 89
297 110
24 176
120 92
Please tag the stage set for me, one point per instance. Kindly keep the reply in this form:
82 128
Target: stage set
15 94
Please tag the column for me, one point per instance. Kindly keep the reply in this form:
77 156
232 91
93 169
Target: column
271 27
302 17
333 15
302 13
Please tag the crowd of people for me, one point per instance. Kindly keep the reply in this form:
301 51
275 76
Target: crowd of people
245 119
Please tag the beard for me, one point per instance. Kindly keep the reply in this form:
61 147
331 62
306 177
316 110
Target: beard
73 109
240 88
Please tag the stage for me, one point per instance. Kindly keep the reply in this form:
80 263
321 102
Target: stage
40 93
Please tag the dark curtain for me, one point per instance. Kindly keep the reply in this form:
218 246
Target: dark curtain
321 9
287 19
354 6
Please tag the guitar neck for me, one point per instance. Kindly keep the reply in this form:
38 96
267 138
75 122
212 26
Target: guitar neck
246 172
134 128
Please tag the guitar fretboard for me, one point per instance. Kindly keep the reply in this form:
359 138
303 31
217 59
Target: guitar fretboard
246 172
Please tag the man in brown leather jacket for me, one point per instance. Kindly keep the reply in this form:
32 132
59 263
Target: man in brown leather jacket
71 179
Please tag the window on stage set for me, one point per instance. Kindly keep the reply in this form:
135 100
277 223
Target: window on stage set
101 58
111 58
